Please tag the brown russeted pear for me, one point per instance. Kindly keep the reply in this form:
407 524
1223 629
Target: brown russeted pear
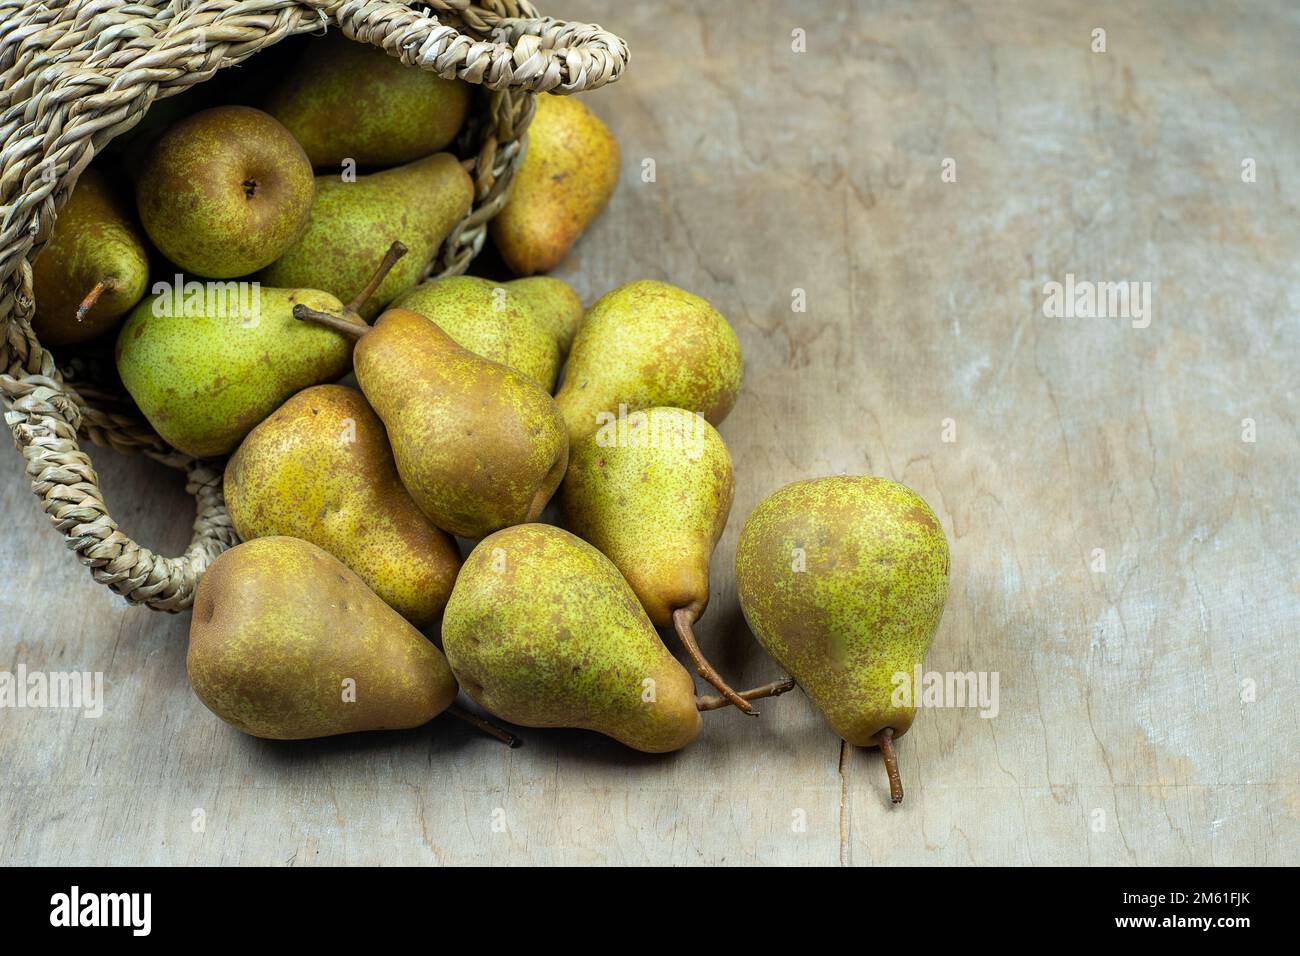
649 344
95 267
478 445
320 468
543 631
526 327
352 223
348 100
287 642
224 192
207 362
569 172
652 492
843 581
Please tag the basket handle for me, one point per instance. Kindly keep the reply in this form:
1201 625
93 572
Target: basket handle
525 51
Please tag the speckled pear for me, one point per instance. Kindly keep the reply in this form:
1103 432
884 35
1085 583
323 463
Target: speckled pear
352 223
224 192
652 492
320 468
346 99
843 581
286 642
649 344
95 267
525 327
569 172
543 631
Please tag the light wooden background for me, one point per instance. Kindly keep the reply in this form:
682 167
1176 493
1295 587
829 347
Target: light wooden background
1123 736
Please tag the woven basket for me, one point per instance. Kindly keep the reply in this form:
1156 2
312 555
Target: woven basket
75 73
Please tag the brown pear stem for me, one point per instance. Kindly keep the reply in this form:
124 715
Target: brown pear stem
891 765
395 252
683 618
486 726
335 322
774 689
88 303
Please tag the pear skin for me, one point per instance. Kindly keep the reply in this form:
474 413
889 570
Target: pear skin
543 631
205 370
478 445
353 223
649 344
345 99
843 581
287 643
320 468
489 320
224 192
554 303
569 172
96 255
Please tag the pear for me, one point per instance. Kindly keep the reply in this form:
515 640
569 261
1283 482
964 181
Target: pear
527 329
569 172
653 493
206 362
352 223
224 192
346 99
286 642
543 631
320 468
649 344
553 302
95 267
478 445
843 581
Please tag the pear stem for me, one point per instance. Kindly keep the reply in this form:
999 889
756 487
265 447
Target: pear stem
337 323
683 618
395 252
486 726
891 765
88 303
774 689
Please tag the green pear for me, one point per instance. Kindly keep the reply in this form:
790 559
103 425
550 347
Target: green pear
286 642
649 344
843 581
352 223
346 99
320 468
224 192
652 492
95 267
521 328
543 631
478 445
569 172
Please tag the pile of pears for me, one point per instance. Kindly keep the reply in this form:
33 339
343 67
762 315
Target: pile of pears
371 419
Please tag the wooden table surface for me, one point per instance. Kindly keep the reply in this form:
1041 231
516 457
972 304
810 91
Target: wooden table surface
1147 710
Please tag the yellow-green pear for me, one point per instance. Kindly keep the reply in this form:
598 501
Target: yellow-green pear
652 491
95 267
649 344
348 100
527 328
843 581
478 445
320 468
543 631
569 172
353 222
287 642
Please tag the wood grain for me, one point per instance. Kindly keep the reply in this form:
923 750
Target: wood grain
1122 736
